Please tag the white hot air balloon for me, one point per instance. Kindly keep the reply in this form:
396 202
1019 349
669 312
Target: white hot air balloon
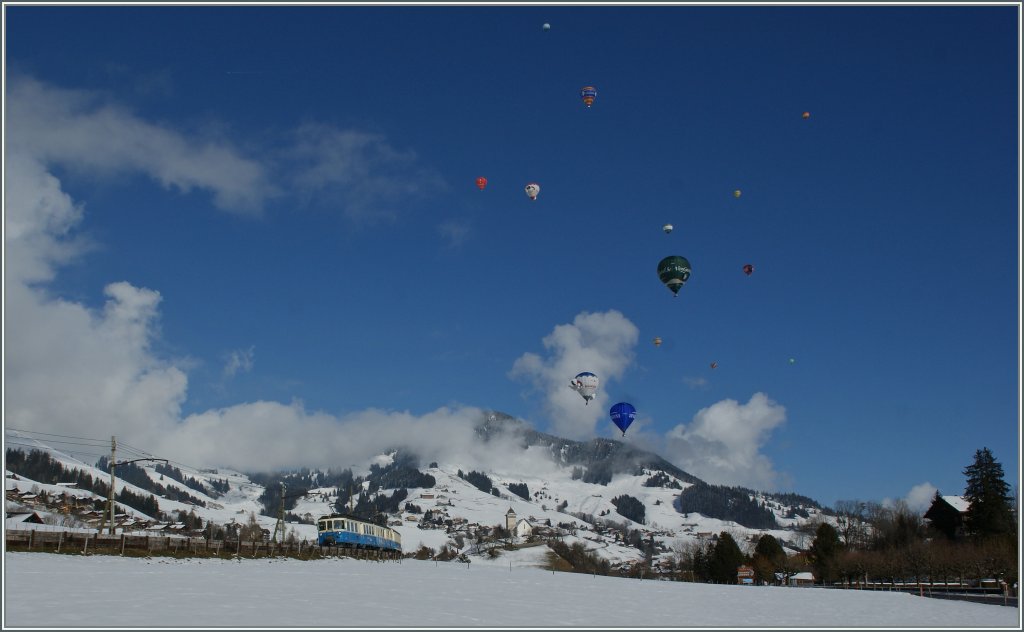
667 228
585 384
532 190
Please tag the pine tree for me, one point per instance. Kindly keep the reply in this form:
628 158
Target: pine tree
824 553
989 513
725 559
769 558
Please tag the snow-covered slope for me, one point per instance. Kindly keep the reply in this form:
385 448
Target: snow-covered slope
453 512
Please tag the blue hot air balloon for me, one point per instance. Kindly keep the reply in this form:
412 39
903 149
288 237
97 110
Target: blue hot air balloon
623 415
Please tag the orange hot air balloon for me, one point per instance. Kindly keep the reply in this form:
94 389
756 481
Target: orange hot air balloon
657 341
481 182
806 115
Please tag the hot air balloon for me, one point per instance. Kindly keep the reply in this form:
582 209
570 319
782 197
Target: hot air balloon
792 360
737 193
532 190
585 384
806 115
657 341
546 27
481 183
623 415
674 272
749 269
714 365
588 94
667 228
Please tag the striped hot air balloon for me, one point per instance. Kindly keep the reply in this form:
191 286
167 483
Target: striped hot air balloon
588 94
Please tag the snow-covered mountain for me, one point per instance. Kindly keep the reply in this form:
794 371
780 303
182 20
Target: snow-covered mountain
582 491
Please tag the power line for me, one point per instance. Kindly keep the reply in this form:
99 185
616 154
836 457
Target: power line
121 443
103 443
49 441
70 452
50 434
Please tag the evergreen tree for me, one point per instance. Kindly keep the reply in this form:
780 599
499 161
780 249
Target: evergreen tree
769 558
990 512
824 553
725 559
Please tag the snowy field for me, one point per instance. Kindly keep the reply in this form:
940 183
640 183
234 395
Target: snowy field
49 590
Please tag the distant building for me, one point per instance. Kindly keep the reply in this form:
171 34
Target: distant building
946 515
510 519
522 528
13 519
806 578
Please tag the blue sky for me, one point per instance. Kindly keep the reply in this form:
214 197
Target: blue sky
263 222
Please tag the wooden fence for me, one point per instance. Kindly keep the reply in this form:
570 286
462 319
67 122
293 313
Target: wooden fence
87 543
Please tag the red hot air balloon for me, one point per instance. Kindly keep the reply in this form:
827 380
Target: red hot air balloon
748 269
481 182
714 365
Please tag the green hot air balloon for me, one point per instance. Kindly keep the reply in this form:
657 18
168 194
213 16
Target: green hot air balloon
674 271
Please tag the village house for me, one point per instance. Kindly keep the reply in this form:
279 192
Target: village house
946 514
16 519
805 578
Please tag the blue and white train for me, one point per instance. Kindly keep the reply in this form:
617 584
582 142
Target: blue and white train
348 531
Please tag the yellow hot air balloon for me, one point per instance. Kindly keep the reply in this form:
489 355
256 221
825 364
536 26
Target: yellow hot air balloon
737 193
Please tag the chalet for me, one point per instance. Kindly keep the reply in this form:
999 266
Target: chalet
946 515
806 578
14 520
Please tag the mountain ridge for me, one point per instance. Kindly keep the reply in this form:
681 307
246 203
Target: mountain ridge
605 489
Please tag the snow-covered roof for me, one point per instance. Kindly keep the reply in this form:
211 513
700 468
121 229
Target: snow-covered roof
19 518
957 502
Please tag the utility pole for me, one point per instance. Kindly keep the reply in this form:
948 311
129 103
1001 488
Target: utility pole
280 517
110 497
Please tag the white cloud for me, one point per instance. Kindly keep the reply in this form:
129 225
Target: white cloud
454 232
239 360
81 130
362 170
81 372
722 444
919 498
698 383
601 343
